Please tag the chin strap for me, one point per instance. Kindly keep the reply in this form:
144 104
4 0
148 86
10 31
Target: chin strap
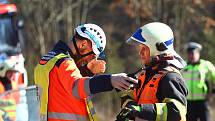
79 56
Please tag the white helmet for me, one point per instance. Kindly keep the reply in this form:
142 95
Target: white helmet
191 46
6 66
95 34
159 38
15 63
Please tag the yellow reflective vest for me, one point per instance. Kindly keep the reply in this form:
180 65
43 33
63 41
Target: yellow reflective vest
58 100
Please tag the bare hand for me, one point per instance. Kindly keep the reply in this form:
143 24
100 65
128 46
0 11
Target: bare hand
97 66
122 82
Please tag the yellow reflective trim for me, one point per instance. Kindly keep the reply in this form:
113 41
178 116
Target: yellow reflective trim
182 109
158 109
165 113
161 109
90 109
7 102
11 114
90 103
13 107
9 106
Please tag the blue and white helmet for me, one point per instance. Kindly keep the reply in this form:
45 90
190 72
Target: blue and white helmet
159 38
95 34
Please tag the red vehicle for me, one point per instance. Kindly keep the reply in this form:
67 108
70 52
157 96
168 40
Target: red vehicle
11 43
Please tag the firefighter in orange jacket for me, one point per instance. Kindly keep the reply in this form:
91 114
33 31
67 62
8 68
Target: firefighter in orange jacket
64 93
161 95
8 102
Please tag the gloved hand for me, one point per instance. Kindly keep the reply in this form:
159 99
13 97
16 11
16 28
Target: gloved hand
129 112
126 100
122 82
97 66
123 115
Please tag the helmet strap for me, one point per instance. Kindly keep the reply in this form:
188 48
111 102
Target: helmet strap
160 58
79 56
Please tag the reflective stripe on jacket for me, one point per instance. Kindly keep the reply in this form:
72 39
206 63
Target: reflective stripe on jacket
8 103
196 76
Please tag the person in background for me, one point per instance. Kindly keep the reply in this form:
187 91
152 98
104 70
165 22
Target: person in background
64 94
200 77
12 43
9 101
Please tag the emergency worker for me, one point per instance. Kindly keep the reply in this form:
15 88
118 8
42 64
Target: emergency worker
199 75
12 41
161 94
63 92
8 101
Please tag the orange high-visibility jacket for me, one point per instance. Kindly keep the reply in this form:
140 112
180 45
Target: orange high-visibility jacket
147 95
63 92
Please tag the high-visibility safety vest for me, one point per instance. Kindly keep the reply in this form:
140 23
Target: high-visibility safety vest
8 103
146 94
196 77
62 105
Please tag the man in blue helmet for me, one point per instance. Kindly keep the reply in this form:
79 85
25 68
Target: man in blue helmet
63 91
